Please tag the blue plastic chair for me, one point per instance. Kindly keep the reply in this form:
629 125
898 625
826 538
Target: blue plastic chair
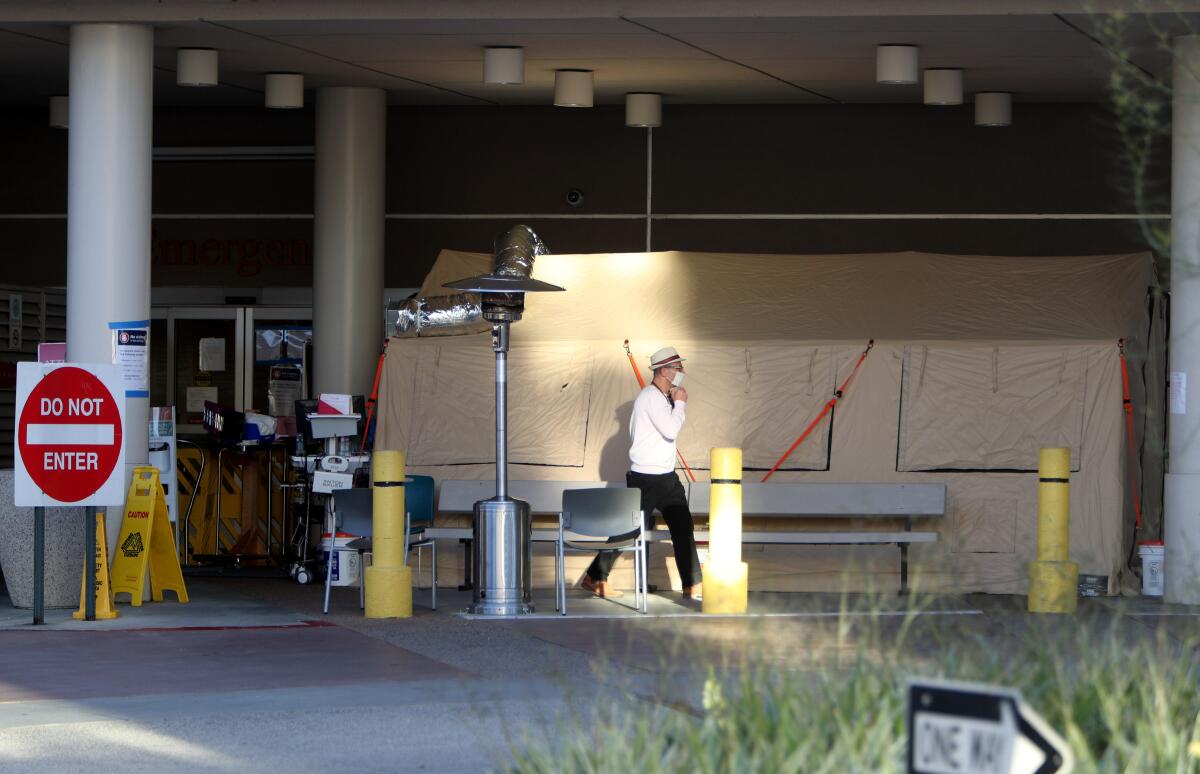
418 506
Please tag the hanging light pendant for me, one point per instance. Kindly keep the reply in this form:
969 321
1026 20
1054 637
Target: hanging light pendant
504 65
896 65
993 108
196 67
285 91
573 88
643 109
943 86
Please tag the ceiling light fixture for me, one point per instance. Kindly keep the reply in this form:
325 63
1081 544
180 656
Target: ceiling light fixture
196 67
573 88
59 112
504 64
285 90
643 109
943 86
896 64
993 108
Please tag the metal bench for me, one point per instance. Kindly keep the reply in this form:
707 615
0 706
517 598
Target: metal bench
834 501
807 500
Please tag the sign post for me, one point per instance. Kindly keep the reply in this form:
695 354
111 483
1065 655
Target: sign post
89 554
39 566
69 450
966 728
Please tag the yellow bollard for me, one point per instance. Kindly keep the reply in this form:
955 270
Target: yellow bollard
389 580
1054 505
726 576
1053 578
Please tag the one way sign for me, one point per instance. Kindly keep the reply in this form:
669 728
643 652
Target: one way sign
965 728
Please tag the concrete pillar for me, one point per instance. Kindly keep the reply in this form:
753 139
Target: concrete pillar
348 238
1182 504
108 203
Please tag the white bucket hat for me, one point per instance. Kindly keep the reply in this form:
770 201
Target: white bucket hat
665 357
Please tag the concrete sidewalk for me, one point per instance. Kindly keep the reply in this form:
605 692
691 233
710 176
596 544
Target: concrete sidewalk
250 676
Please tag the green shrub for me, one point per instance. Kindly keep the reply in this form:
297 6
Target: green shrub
1124 702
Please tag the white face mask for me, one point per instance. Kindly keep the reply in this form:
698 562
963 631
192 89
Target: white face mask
677 381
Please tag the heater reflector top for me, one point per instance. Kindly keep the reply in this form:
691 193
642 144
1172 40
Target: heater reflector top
495 283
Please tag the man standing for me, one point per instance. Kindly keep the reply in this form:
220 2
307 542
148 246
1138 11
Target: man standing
658 416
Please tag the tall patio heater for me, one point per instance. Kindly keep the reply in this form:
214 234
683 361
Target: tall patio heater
502 526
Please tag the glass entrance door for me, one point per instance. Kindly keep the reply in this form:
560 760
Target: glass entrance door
279 361
243 358
199 362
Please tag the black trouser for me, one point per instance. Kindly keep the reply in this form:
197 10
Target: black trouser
664 492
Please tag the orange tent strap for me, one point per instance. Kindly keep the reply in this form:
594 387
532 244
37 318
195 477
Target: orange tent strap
633 365
1127 403
828 407
373 399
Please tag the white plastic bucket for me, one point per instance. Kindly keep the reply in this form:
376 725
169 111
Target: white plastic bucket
345 567
1152 568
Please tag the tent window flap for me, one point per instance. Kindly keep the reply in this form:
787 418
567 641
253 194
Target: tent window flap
989 407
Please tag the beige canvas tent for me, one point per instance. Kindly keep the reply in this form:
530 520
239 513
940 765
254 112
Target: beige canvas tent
978 362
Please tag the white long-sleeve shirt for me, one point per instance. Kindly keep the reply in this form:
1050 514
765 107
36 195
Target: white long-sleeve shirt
653 428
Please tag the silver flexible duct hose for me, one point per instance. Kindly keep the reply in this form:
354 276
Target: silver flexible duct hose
515 251
406 319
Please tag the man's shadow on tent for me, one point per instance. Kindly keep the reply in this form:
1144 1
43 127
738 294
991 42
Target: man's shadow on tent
614 456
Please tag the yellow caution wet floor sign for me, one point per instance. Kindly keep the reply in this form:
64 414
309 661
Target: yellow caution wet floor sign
104 594
146 543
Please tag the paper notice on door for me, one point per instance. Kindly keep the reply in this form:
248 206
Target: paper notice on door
283 390
1177 392
131 354
212 355
197 395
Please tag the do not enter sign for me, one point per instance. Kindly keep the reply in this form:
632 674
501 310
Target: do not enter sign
70 435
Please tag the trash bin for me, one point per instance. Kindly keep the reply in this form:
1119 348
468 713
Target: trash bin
1152 552
345 563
